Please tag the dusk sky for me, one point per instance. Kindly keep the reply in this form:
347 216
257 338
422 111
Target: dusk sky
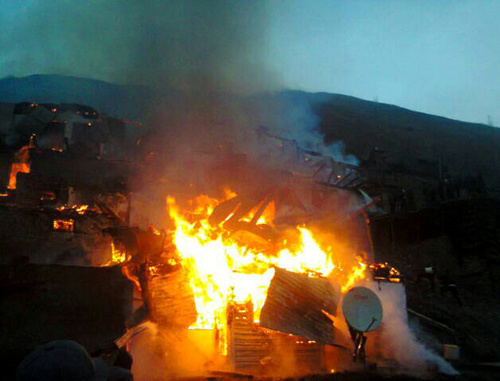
437 56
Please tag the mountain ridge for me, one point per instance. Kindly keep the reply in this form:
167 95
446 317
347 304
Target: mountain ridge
20 89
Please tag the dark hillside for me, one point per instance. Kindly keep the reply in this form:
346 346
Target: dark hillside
116 100
413 140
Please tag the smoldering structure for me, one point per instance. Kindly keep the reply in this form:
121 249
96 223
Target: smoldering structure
64 193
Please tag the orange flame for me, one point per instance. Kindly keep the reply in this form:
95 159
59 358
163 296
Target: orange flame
20 164
223 270
266 217
357 273
14 170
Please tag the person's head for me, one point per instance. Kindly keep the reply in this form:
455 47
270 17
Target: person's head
59 360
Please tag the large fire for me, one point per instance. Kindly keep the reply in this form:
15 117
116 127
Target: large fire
224 268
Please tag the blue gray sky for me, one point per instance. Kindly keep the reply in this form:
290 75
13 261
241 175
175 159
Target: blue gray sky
436 56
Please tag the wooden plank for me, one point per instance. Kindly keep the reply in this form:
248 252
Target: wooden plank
248 344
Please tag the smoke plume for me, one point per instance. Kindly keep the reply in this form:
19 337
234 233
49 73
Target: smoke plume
207 49
189 45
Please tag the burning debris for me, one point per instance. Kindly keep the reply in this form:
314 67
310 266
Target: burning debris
58 201
64 225
383 272
259 287
222 268
80 209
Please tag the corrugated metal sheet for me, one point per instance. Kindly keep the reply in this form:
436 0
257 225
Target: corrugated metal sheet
295 303
170 298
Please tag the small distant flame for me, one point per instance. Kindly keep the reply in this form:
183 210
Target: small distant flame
14 170
153 230
118 256
385 272
126 271
82 209
21 164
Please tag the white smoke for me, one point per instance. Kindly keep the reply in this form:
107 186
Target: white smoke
399 341
294 115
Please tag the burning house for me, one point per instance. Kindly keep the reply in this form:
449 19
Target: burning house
251 275
244 275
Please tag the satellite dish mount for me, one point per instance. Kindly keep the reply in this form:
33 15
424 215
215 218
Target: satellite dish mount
363 313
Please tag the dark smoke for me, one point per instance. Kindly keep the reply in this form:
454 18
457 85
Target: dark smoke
209 50
191 44
215 52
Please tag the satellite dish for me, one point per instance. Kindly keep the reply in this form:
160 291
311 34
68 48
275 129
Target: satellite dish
362 309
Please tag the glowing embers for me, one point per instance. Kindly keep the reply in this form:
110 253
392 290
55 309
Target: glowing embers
66 225
385 272
80 209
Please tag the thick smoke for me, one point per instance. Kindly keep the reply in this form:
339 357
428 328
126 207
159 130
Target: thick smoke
207 49
190 45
